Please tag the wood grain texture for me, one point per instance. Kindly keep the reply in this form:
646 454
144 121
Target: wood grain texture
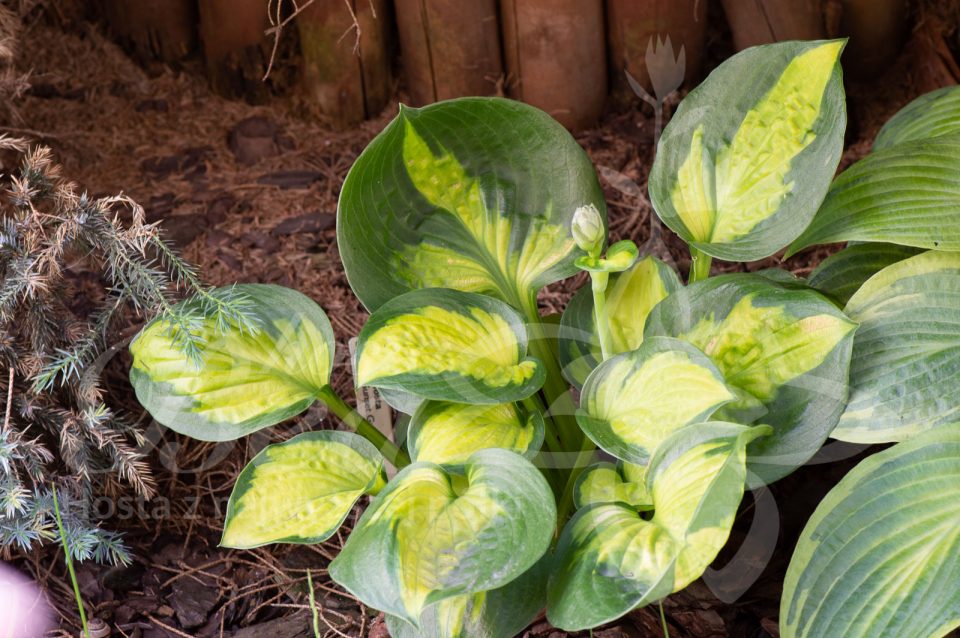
235 47
556 57
450 48
631 25
164 30
347 79
756 22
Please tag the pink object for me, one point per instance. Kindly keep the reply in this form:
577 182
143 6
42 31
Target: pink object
24 612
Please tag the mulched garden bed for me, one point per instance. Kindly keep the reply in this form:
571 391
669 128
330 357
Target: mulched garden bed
249 193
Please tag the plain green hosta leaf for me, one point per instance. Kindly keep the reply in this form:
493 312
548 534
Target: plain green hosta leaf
609 483
750 153
247 380
630 297
449 433
633 401
299 491
932 115
880 557
784 350
841 274
499 613
905 371
448 345
908 194
610 559
475 194
431 535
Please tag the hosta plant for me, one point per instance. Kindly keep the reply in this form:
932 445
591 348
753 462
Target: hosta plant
584 465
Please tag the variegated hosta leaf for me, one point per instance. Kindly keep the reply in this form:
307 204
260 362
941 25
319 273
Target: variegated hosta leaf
783 277
630 297
300 491
750 153
908 194
841 274
475 194
784 350
448 345
905 371
491 614
932 115
403 402
610 559
633 401
880 557
449 433
430 535
609 483
246 381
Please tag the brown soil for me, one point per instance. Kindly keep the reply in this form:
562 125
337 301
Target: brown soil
249 193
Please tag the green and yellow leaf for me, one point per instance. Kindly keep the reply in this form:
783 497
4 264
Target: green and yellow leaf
299 491
619 257
633 401
905 371
631 296
246 380
448 345
931 115
881 554
430 535
784 350
906 194
840 275
506 611
610 559
609 483
475 194
751 152
449 433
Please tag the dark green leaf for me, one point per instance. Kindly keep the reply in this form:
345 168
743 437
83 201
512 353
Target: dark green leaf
475 194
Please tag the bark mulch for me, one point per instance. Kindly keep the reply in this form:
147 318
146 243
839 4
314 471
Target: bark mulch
249 193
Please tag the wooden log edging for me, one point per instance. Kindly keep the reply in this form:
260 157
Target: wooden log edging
756 22
633 26
346 78
154 30
235 47
449 48
556 57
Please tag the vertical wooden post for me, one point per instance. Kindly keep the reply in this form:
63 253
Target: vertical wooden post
876 29
631 25
164 30
756 22
450 48
556 57
347 79
235 47
376 23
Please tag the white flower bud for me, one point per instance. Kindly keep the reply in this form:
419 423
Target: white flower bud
587 229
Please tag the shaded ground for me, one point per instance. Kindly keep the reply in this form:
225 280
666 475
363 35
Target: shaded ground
249 193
